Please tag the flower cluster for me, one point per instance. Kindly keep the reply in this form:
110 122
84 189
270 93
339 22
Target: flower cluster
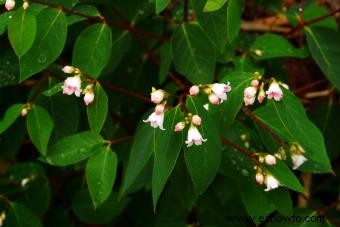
257 88
10 4
194 136
296 154
264 177
156 119
73 85
217 92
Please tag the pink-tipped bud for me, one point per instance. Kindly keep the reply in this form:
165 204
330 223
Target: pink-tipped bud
88 98
194 90
270 159
68 69
255 83
259 178
159 109
157 96
196 120
261 96
10 4
179 126
24 112
213 99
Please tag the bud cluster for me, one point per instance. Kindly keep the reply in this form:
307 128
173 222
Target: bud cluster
217 92
73 85
256 88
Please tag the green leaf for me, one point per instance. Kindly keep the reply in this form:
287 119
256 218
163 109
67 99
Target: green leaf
166 147
203 161
289 121
83 9
165 62
84 210
20 216
274 46
39 127
53 90
213 5
92 50
97 110
161 5
255 200
21 31
48 44
282 200
325 50
12 113
73 149
101 171
221 26
285 176
229 109
193 54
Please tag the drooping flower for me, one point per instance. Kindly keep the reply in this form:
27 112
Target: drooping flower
194 137
194 90
157 96
72 85
88 98
271 182
220 90
298 160
249 95
10 4
156 120
270 159
179 126
196 120
274 91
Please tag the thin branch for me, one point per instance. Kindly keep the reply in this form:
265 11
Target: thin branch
125 91
185 10
120 140
238 148
262 124
312 21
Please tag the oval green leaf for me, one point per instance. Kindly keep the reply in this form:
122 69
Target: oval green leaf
21 31
12 113
48 45
92 50
101 169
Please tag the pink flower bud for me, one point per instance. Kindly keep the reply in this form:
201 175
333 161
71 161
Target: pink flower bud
270 159
159 109
261 96
250 92
10 4
213 99
179 126
157 96
255 83
88 98
259 178
196 120
68 69
194 90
